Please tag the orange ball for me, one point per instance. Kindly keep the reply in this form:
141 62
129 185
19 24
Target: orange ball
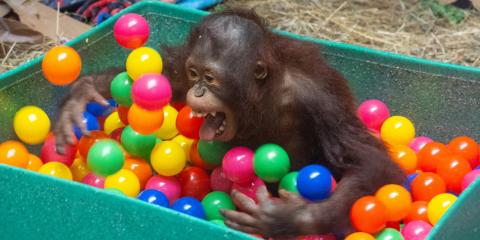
452 169
465 147
86 142
34 162
396 199
405 157
144 121
123 114
430 155
14 153
61 65
427 185
139 167
360 236
368 215
418 211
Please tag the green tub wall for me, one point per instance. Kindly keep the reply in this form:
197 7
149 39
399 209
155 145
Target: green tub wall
441 99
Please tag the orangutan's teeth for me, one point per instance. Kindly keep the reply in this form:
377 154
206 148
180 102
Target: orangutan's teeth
224 123
221 128
213 114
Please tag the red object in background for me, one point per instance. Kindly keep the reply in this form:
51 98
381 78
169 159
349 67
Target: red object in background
418 211
48 153
430 155
219 182
187 124
117 134
368 215
452 169
394 225
195 182
86 142
101 121
465 147
123 114
427 185
178 106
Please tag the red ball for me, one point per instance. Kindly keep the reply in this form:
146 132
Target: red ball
368 215
219 182
465 147
195 182
48 153
430 155
427 185
452 170
117 134
187 124
177 105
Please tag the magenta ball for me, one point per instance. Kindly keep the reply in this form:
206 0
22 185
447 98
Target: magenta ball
319 237
237 165
373 113
94 180
469 178
219 182
416 230
131 31
419 142
152 91
169 186
249 189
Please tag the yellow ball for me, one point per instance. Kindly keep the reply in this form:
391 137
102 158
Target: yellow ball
397 130
360 236
31 124
143 60
56 169
124 180
79 169
112 122
438 206
168 158
185 143
168 130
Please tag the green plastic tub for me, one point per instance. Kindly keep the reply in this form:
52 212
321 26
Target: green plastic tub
441 99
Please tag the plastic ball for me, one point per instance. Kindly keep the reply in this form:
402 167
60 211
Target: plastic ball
136 144
168 130
416 230
271 162
187 124
143 60
31 124
170 186
121 89
91 123
189 206
105 157
86 142
427 185
125 181
61 65
48 153
178 105
79 169
196 159
56 169
405 157
452 169
314 182
465 147
185 143
289 182
168 158
152 91
373 113
219 182
98 110
144 121
439 205
408 182
368 215
154 197
131 31
396 199
112 122
419 142
430 155
123 114
94 180
249 189
397 130
34 162
237 165
195 182
469 178
214 201
139 167
317 237
389 234
14 153
360 236
418 212
212 152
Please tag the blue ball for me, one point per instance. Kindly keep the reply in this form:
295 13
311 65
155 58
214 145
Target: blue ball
408 183
314 182
91 123
478 167
97 110
190 206
154 197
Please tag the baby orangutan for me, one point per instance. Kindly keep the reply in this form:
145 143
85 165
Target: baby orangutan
256 87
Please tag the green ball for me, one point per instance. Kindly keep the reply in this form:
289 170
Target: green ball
136 144
214 201
271 162
121 89
212 152
389 234
218 222
289 182
105 157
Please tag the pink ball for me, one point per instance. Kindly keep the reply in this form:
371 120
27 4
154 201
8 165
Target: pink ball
419 142
249 189
219 182
373 113
416 230
48 153
169 186
469 178
131 31
152 91
318 237
94 180
237 165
